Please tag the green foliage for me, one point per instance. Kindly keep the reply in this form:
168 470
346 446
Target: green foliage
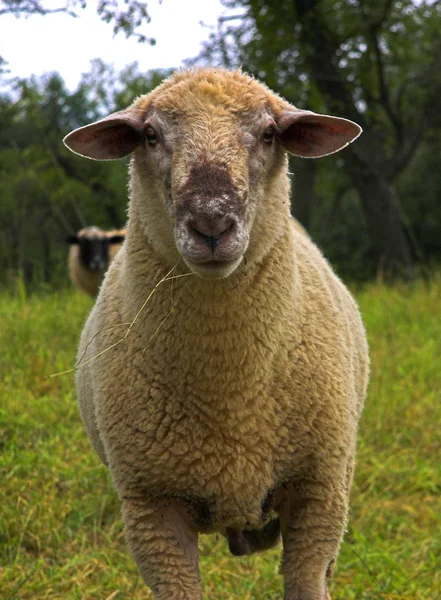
377 62
420 190
60 529
46 191
377 43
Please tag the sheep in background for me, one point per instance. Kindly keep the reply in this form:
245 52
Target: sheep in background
91 251
236 408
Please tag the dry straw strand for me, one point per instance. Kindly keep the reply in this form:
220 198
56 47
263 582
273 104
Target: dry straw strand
79 365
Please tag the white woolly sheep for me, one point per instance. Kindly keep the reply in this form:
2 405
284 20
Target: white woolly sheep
91 251
233 401
299 227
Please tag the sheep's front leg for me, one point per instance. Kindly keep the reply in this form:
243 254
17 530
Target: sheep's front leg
164 544
312 519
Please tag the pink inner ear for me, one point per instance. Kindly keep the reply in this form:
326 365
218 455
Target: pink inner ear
310 135
112 138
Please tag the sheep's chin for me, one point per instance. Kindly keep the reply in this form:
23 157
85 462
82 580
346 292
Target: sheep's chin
214 269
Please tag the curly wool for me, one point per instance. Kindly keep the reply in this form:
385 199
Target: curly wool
231 402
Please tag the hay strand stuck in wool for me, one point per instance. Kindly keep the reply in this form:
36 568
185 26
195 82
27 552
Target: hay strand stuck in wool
80 364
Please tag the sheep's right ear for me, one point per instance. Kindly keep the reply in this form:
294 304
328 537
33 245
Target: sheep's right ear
310 135
113 137
116 239
72 239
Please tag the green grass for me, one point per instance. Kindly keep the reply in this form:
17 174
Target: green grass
60 531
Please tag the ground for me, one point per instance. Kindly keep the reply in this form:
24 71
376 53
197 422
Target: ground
60 531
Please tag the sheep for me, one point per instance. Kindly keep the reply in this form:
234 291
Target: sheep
91 251
231 403
299 226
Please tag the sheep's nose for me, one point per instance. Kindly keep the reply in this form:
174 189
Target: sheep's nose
211 232
97 264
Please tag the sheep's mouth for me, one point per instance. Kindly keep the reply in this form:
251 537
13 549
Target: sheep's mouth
211 248
214 269
95 267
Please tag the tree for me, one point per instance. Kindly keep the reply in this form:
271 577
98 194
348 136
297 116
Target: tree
46 191
126 18
377 62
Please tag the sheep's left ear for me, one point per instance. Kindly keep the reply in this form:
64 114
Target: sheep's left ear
113 137
309 135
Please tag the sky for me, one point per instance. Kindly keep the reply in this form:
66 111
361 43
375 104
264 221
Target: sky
65 44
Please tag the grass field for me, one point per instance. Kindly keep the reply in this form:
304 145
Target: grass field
60 531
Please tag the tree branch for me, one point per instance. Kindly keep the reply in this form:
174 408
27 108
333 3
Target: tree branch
384 91
222 44
378 24
225 18
400 161
24 13
20 8
322 48
432 85
373 28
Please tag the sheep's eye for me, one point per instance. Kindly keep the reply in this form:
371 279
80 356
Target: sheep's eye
151 136
268 135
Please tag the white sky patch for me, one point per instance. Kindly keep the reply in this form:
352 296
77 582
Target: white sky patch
65 44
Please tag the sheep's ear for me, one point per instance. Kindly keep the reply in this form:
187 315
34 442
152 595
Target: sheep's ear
113 137
116 239
72 239
309 135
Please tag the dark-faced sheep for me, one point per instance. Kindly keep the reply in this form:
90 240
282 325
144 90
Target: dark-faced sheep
91 251
232 403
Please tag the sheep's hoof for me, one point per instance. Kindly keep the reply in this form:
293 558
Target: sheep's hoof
298 594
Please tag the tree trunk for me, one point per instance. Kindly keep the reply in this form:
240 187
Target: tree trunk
113 215
364 164
383 216
46 251
303 196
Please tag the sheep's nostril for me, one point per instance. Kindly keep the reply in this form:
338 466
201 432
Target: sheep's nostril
211 233
209 240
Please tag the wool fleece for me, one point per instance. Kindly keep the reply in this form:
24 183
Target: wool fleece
222 371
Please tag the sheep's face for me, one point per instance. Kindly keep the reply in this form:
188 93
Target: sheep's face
208 143
210 160
93 247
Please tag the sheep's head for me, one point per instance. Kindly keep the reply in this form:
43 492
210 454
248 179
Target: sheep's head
207 145
93 247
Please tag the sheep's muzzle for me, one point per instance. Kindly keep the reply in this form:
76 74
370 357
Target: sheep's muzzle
94 253
210 228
